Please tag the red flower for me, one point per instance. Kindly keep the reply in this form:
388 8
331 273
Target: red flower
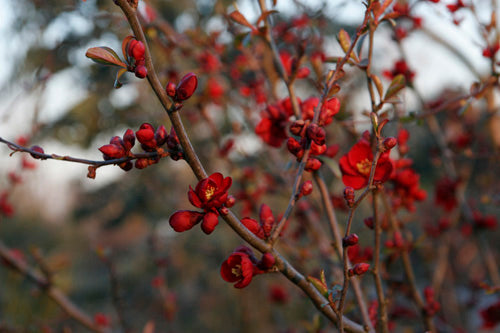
238 268
328 110
406 186
274 122
210 195
356 166
491 316
211 192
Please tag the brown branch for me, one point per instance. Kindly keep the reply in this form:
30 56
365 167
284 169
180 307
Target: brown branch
284 266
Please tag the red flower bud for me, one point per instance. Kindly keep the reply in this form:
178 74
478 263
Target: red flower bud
317 149
145 133
350 240
316 134
185 219
266 219
294 146
312 164
230 201
126 166
113 151
390 143
141 72
171 89
296 127
332 150
266 262
210 221
161 135
37 149
128 139
349 195
136 49
359 269
369 222
141 163
306 188
186 87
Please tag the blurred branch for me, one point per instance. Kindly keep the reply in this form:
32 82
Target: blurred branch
46 286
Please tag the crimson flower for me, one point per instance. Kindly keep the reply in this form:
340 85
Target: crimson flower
356 166
239 267
400 67
273 125
210 194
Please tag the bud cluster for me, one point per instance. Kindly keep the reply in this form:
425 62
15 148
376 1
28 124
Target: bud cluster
150 140
136 58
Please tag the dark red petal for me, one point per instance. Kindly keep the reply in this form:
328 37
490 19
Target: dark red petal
217 178
359 152
356 182
383 171
193 198
346 168
226 271
185 219
253 226
210 221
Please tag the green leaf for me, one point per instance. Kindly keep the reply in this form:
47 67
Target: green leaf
318 285
396 85
105 55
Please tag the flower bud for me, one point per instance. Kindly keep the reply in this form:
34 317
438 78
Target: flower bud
390 143
349 195
266 262
306 188
136 49
296 127
141 72
145 133
171 89
369 222
37 149
312 164
317 149
186 87
112 151
128 139
359 269
141 163
316 134
161 135
293 146
350 240
230 201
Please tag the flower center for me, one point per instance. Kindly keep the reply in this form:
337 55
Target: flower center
209 192
236 270
364 166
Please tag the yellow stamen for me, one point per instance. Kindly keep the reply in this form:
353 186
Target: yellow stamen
364 167
209 192
236 270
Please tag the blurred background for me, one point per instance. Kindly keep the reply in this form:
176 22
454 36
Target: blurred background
55 97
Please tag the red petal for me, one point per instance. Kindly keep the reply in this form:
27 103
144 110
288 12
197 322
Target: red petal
266 219
210 221
185 219
356 182
253 226
217 178
360 151
193 198
346 168
383 171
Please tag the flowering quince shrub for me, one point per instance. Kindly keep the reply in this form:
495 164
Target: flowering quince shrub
361 214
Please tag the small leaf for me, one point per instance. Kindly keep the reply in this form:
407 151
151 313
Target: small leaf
104 55
125 42
237 17
344 40
322 277
378 84
117 83
264 15
396 85
335 89
318 285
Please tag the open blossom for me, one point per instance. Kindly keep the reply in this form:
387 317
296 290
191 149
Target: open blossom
210 194
274 123
238 268
356 166
241 266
